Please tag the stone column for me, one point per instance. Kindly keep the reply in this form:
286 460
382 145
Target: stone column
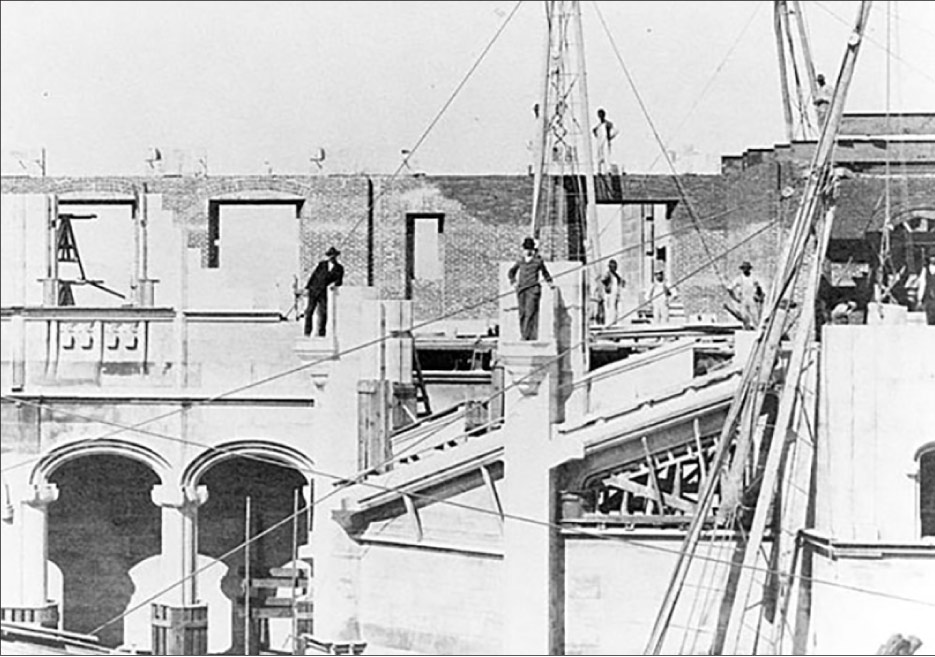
180 623
144 284
50 282
537 377
533 580
180 538
27 597
332 552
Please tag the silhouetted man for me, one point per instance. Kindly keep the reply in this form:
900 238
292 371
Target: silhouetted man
524 276
329 272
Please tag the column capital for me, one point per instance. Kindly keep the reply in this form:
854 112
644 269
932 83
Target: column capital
40 495
319 355
179 496
528 363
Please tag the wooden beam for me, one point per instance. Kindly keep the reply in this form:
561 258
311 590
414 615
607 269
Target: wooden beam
626 484
652 474
696 427
677 480
492 491
413 513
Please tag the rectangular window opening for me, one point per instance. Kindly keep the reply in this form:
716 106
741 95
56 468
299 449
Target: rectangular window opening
423 248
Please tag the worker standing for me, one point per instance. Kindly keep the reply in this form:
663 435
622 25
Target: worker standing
748 294
611 287
328 273
524 277
660 294
605 132
822 100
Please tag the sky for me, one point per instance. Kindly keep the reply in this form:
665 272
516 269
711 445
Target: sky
261 87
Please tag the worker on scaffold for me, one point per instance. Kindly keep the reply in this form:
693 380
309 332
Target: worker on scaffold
748 296
328 273
822 100
605 132
660 295
611 286
524 277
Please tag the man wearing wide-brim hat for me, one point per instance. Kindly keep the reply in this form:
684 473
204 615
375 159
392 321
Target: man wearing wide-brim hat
329 272
748 294
524 277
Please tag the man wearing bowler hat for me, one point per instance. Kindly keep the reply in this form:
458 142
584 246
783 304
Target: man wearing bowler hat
328 272
524 277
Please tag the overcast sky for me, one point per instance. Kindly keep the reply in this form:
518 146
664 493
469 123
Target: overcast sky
97 83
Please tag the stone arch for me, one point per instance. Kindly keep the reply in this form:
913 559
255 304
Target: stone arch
100 446
901 213
263 449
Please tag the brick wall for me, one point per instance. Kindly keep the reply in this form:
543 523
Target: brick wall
486 218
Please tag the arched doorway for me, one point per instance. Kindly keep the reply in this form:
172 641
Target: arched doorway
912 239
103 524
271 477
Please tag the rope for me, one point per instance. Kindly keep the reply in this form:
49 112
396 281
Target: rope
405 163
344 481
652 125
924 73
533 521
293 370
711 79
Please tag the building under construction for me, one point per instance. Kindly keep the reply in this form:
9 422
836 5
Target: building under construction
185 473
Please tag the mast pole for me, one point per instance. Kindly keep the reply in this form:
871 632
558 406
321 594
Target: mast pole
592 244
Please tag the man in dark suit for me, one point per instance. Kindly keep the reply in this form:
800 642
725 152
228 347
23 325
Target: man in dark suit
328 272
524 277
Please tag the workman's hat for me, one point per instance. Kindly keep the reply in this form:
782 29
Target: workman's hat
529 243
332 252
746 265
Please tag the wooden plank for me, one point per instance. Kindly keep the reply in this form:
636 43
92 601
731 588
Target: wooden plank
657 490
276 602
629 519
624 483
413 514
277 583
492 492
286 573
302 613
696 429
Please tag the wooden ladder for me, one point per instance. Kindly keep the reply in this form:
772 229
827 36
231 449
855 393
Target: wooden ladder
422 393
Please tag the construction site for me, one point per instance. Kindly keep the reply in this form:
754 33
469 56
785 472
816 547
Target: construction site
658 469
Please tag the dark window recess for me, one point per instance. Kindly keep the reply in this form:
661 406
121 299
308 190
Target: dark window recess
214 236
927 492
454 360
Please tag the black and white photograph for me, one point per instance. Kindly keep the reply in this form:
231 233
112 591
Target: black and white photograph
501 327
